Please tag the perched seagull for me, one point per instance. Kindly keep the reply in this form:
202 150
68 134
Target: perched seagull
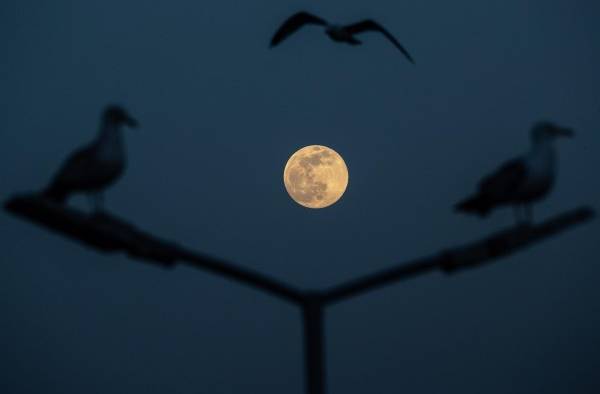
337 33
94 167
522 181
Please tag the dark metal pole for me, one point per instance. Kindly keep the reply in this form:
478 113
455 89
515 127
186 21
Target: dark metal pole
470 255
111 234
314 351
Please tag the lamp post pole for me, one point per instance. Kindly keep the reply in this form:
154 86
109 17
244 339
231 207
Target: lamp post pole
108 233
314 345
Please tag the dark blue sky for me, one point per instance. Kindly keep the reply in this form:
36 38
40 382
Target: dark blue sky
220 115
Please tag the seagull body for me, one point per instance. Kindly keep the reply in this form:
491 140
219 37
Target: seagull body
522 181
337 33
96 166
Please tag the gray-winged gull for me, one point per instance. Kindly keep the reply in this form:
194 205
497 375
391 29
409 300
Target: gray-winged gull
97 165
338 33
522 181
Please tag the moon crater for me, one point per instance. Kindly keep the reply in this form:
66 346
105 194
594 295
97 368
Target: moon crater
315 176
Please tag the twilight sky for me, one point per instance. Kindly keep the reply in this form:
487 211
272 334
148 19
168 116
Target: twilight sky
220 114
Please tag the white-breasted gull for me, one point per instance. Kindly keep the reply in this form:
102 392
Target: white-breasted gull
522 181
97 165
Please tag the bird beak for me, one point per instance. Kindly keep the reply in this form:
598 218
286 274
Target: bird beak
131 122
565 132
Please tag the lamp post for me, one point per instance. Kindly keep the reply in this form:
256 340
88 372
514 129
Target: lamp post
108 233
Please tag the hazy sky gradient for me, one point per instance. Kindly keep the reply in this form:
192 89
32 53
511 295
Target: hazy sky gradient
220 114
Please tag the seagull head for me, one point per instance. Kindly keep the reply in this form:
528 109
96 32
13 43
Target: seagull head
117 115
548 131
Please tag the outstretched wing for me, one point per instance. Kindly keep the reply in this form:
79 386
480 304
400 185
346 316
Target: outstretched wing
293 23
371 25
502 185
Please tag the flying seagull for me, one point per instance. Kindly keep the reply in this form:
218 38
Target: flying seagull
337 33
522 181
97 165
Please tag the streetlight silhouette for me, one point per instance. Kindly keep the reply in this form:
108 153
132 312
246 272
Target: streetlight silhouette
108 233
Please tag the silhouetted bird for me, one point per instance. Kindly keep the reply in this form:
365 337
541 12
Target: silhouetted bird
337 33
94 167
521 181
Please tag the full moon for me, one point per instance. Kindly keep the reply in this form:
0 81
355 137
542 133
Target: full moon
315 176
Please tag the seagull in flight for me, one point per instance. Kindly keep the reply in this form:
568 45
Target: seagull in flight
338 33
522 181
97 165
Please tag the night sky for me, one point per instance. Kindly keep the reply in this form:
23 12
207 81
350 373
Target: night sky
220 114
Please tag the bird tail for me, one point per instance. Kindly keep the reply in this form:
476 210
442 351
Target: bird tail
56 194
476 205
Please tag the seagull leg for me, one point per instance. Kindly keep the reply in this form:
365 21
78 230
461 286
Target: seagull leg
517 213
97 202
91 201
100 201
528 213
